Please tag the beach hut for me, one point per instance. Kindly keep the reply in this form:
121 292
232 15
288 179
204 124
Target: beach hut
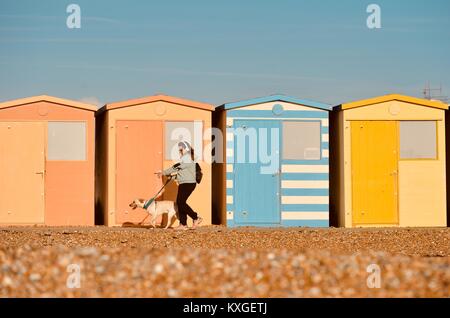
447 136
275 170
389 162
46 162
137 137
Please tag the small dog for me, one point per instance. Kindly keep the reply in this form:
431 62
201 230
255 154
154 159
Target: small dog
158 208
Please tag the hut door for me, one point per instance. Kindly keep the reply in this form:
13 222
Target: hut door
374 172
22 172
257 187
139 155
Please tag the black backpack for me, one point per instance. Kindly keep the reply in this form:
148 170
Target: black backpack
198 173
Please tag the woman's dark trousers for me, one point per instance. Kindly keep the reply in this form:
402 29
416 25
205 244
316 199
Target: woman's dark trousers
184 191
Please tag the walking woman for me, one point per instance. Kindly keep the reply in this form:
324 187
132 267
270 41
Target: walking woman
185 176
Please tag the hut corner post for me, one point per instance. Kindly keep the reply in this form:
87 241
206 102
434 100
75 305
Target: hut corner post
447 139
101 169
219 174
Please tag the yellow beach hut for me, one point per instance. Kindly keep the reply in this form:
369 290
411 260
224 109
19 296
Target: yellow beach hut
388 166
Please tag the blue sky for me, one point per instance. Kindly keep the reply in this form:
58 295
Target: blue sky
223 50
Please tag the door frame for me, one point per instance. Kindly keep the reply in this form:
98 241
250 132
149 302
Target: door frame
397 200
278 179
117 152
45 144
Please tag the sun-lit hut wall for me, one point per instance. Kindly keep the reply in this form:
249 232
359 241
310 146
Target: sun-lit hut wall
392 156
292 190
137 138
47 161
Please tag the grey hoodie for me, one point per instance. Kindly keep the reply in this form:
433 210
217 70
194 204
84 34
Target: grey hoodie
185 171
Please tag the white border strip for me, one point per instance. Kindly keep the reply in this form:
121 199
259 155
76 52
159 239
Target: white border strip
305 184
305 168
305 199
305 215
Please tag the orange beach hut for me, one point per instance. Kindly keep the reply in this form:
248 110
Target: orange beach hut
137 137
46 162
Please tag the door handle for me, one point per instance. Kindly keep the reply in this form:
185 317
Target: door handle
40 172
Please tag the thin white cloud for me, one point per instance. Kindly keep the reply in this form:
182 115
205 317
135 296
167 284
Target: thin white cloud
266 76
22 28
102 20
28 16
59 17
69 40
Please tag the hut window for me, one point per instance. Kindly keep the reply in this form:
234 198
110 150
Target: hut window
66 141
418 140
176 131
301 140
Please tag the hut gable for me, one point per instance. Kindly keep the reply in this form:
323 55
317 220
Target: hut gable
156 98
275 98
393 97
49 99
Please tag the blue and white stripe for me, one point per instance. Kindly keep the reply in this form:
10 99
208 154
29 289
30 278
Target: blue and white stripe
304 187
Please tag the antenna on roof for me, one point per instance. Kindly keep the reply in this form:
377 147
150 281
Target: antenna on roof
432 93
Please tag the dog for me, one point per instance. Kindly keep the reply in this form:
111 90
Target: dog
158 208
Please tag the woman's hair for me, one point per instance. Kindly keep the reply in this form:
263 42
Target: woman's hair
188 147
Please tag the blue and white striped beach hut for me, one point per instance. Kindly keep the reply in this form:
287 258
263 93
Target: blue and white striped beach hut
276 163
